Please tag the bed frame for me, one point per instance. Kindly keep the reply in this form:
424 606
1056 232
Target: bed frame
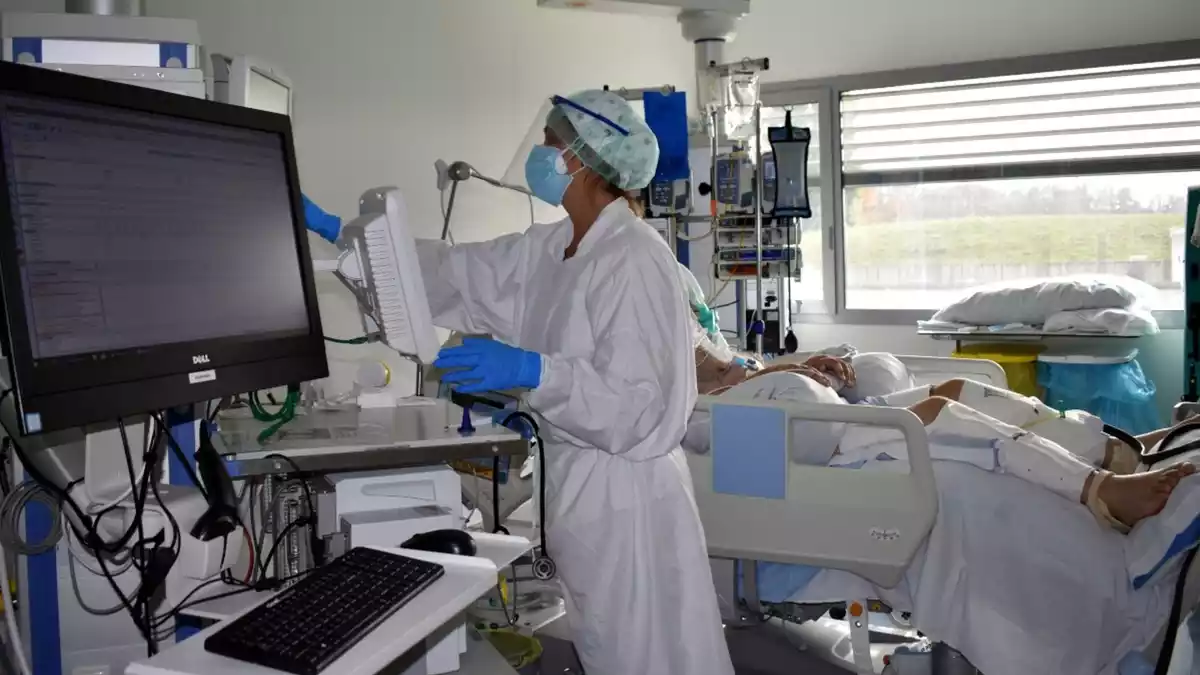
771 514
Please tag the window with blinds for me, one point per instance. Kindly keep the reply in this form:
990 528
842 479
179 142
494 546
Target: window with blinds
1130 118
809 290
955 184
804 116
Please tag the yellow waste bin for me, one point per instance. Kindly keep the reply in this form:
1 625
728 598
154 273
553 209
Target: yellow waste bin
1019 362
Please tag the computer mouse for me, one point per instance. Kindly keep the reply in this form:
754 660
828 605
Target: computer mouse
454 542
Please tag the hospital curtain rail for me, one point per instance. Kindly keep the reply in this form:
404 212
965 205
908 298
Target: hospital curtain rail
1120 119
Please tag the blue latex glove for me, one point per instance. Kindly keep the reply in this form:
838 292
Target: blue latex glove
326 225
483 364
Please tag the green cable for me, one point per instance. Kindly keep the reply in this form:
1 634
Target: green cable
285 414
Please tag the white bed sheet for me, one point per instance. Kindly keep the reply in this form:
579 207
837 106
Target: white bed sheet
1018 579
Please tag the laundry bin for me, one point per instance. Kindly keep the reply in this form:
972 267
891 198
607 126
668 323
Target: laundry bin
1109 384
1019 362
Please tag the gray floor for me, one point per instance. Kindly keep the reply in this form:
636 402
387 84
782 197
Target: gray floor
762 651
754 652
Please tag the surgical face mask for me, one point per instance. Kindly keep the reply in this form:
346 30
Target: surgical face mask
546 174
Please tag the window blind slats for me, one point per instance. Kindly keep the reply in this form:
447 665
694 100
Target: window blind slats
1151 111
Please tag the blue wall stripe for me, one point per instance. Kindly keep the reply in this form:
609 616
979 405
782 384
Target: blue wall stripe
183 430
46 652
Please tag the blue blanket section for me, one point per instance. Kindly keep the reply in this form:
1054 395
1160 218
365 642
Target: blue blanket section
778 582
1183 542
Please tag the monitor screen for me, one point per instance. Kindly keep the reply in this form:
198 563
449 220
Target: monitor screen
264 93
163 242
135 231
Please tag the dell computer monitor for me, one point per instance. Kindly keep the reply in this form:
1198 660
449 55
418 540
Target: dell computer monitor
152 250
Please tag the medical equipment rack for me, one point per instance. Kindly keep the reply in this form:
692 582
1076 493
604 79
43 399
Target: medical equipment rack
329 441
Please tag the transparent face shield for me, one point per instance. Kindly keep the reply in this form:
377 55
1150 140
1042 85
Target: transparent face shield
553 126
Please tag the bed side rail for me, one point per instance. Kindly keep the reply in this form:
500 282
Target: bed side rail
758 505
933 369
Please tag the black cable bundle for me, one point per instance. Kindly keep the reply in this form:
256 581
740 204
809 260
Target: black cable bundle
147 556
537 437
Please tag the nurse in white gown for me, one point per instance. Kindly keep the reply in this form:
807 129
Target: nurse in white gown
589 314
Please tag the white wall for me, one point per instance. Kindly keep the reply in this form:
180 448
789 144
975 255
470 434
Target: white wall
815 39
386 87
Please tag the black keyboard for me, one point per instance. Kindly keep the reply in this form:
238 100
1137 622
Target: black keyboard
306 627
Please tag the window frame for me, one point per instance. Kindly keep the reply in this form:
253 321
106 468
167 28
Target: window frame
828 92
822 97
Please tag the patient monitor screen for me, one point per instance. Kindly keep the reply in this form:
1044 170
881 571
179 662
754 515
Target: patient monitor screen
135 229
263 93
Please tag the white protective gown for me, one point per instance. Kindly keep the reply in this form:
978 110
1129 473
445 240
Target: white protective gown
618 385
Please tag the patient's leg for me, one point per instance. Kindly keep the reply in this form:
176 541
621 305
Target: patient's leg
960 433
1078 431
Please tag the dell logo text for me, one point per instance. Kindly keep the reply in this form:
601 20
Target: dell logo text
200 360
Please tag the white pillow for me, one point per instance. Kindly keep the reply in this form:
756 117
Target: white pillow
1157 543
877 374
1032 301
812 443
1135 320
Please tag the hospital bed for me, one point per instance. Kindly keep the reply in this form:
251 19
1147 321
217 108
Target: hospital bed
869 524
768 509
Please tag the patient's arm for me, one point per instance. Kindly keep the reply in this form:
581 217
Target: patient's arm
805 370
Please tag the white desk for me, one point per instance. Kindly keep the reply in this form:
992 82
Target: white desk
465 581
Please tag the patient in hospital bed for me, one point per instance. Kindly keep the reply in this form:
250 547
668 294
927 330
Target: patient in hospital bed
999 431
1015 573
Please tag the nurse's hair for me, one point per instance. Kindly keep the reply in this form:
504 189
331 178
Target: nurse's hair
633 199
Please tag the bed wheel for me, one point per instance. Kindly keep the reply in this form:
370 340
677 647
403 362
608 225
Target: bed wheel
544 568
